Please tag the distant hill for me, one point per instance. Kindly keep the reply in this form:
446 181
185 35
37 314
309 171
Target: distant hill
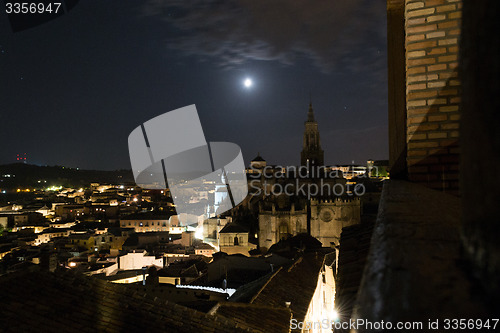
28 175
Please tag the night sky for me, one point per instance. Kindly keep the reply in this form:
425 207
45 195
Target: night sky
74 88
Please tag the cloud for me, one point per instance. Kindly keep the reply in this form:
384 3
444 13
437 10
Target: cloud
332 33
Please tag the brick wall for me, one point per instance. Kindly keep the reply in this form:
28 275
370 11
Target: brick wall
432 29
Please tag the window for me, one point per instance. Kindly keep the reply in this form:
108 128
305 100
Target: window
283 232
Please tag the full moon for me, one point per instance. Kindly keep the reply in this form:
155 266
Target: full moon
247 83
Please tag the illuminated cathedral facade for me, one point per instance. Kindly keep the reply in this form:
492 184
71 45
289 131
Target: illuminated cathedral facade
322 216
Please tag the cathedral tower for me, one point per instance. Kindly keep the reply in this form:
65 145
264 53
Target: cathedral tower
311 147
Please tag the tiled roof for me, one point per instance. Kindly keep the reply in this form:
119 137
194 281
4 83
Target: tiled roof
247 291
66 302
258 318
295 284
258 158
354 247
233 228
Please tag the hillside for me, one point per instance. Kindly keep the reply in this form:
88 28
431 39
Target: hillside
27 175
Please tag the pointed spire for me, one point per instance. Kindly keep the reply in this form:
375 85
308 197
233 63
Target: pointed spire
310 114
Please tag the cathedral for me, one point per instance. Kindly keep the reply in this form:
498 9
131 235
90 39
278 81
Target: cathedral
283 214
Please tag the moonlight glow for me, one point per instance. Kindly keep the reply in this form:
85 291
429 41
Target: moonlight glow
247 83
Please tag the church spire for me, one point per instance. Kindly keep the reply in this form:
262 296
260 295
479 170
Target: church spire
311 154
310 114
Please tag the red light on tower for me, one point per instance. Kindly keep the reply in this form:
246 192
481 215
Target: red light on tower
22 157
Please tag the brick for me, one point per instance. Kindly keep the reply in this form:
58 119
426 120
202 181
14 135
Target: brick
434 18
450 126
454 32
447 75
447 8
421 28
417 112
416 54
453 65
417 86
448 108
422 128
433 109
422 136
437 50
416 78
454 83
455 117
437 135
455 100
416 120
415 5
453 49
419 152
421 45
448 58
422 61
416 21
432 3
420 12
410 131
457 14
454 134
436 101
448 24
416 70
432 77
435 151
449 41
436 34
423 94
412 38
416 103
423 144
427 127
439 117
437 84
433 68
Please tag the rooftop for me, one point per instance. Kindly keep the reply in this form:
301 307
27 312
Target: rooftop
67 302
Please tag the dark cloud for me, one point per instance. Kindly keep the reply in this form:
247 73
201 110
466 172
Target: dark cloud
332 33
